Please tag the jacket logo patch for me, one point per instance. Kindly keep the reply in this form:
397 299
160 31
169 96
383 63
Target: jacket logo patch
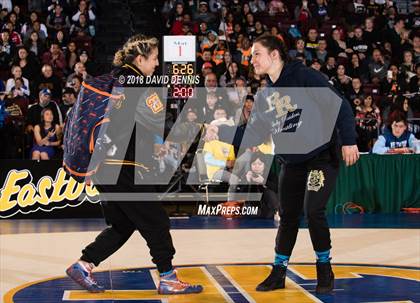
153 102
316 180
282 105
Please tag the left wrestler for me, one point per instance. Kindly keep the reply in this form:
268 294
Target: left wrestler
139 58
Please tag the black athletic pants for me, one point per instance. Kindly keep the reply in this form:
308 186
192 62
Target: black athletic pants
148 218
305 188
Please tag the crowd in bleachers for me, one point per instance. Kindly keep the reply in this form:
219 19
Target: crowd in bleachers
368 50
46 51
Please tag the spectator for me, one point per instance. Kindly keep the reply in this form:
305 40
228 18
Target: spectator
278 9
203 14
359 44
249 25
6 4
47 136
27 28
55 58
321 51
244 54
378 67
407 68
275 32
226 25
16 18
35 45
394 83
330 68
396 139
300 49
229 77
210 41
28 64
57 20
219 52
82 27
61 40
368 122
311 43
302 13
89 65
205 57
342 82
36 27
414 84
17 74
222 67
3 111
321 12
85 10
370 34
7 50
356 12
237 95
355 92
175 18
357 70
394 35
258 174
206 69
14 35
79 70
243 114
221 118
50 81
336 46
414 17
76 83
68 100
19 90
34 112
257 6
219 157
416 48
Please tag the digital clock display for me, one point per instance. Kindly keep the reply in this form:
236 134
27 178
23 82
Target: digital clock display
181 92
181 69
183 79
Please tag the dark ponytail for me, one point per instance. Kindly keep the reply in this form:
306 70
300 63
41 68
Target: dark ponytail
273 43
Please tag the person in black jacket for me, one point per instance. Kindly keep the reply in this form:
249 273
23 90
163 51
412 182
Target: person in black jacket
307 178
136 60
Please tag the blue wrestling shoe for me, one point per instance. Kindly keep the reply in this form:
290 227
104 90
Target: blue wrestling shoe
171 285
83 276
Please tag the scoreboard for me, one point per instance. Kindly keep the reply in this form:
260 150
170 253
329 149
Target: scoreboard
179 56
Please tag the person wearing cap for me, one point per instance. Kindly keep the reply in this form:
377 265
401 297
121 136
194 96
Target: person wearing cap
206 57
210 41
34 112
85 59
203 14
206 69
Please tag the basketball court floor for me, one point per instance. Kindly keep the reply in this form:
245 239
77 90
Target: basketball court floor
376 258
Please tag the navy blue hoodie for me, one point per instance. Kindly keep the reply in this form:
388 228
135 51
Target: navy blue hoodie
295 74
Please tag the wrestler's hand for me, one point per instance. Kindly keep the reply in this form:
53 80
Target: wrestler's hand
350 154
